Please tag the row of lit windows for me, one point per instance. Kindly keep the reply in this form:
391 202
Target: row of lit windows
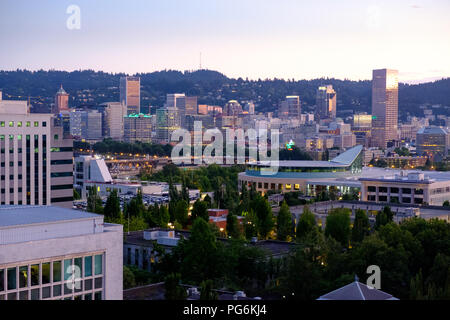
61 277
19 124
274 186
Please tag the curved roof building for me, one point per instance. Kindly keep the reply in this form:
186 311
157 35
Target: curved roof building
287 176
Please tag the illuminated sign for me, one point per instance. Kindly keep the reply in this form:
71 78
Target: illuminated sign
290 145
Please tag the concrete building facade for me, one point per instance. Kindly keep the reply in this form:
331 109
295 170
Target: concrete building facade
51 253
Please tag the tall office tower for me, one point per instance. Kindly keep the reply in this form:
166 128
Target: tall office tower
75 123
175 100
290 108
138 127
326 102
167 121
61 101
36 158
130 94
191 105
232 108
113 114
384 107
361 128
91 125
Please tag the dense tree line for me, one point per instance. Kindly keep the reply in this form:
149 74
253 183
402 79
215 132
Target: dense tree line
212 88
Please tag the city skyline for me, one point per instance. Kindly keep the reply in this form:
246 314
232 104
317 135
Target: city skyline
291 40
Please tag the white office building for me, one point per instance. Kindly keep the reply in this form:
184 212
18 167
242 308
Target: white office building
52 253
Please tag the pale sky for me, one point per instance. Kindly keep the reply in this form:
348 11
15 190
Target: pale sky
240 38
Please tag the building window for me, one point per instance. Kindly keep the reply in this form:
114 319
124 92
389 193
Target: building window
382 198
406 200
44 123
28 124
88 266
382 189
406 190
11 123
19 124
55 137
394 190
36 123
98 264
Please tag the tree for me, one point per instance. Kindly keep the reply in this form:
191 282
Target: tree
128 278
446 203
233 228
94 202
159 215
338 225
181 212
201 254
306 224
284 222
174 290
200 209
206 291
208 201
264 222
112 205
250 223
360 226
384 217
136 207
76 195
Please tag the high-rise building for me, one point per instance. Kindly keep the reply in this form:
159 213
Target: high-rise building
36 159
138 127
130 94
326 102
432 142
290 108
361 128
384 107
191 105
51 253
232 108
167 121
175 100
75 123
61 101
91 125
113 114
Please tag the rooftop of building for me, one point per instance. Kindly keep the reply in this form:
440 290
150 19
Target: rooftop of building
357 291
345 159
432 130
272 247
27 215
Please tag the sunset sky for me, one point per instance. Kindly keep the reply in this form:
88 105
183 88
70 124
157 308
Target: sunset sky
240 38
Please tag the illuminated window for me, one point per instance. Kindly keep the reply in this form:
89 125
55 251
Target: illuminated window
28 123
11 123
19 124
297 187
288 187
36 123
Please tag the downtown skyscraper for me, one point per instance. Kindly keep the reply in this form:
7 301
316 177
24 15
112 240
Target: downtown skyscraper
326 102
130 94
384 107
